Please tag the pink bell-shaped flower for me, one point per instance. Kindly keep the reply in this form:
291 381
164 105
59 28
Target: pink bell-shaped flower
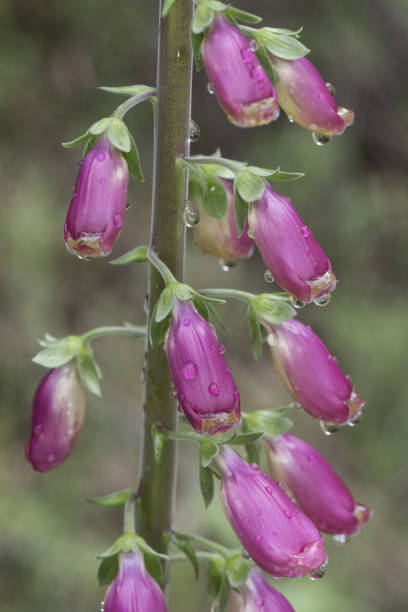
256 595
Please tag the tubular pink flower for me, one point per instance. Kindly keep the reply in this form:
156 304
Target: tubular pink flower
236 76
315 485
275 533
133 589
219 237
57 418
288 248
311 374
256 595
98 204
306 99
202 379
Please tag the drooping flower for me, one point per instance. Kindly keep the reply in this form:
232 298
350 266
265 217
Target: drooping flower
205 389
133 589
57 418
98 203
288 248
219 237
319 492
236 76
256 595
311 374
276 534
307 99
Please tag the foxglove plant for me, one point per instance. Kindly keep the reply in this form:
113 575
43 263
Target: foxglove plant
184 360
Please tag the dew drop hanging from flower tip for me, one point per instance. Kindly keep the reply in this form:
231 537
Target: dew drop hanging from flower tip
194 131
328 429
324 300
295 302
321 139
268 276
331 88
253 45
191 215
210 88
226 265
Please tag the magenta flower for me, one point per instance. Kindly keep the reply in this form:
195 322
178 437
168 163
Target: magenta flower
275 533
315 485
219 237
288 248
133 589
236 76
256 595
306 99
311 374
98 204
57 418
205 388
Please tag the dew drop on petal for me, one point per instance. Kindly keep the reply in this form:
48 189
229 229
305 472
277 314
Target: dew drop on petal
258 538
221 349
50 458
214 389
340 538
253 45
305 231
258 73
191 215
186 322
322 301
226 265
194 131
268 276
101 157
117 220
189 370
328 429
210 88
247 55
38 429
321 139
331 89
295 302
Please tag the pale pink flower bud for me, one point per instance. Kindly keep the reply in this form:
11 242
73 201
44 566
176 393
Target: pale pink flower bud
256 595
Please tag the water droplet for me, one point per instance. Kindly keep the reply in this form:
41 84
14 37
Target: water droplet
210 88
253 45
189 370
83 257
331 88
38 429
321 139
214 389
295 302
117 220
281 485
291 119
101 157
356 420
258 538
247 55
245 555
102 180
268 277
142 376
323 300
328 429
146 303
213 347
74 195
173 393
305 231
260 602
186 322
258 73
50 458
332 358
288 514
81 163
128 205
191 215
251 233
340 538
269 490
221 349
226 265
254 466
271 340
194 131
319 573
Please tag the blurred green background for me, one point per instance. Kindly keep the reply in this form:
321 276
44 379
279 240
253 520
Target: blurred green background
52 57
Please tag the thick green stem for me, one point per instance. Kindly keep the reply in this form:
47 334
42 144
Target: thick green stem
158 480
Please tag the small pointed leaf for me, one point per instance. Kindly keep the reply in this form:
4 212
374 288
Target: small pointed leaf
217 199
240 15
237 570
108 568
255 333
119 136
250 186
208 451
240 211
246 438
76 141
100 126
119 498
158 330
206 484
133 161
89 371
286 176
183 544
164 304
128 90
202 19
134 256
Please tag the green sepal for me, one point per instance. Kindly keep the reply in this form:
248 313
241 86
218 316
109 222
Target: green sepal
215 574
216 6
147 549
250 186
253 452
158 443
183 292
196 173
216 203
271 422
261 171
158 330
282 43
133 160
100 126
243 16
183 544
286 176
164 304
196 41
271 310
236 570
119 136
108 568
155 568
255 333
208 452
89 371
203 17
119 498
266 64
246 438
215 313
76 141
206 477
240 212
128 542
128 90
223 595
201 307
58 352
90 144
167 6
139 254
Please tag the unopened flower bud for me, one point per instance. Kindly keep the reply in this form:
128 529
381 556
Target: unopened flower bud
205 389
236 76
219 237
98 203
311 374
276 534
288 248
315 486
306 98
57 418
256 595
133 589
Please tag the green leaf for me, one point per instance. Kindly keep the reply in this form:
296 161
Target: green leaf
76 141
269 421
223 596
108 568
282 44
167 6
217 200
240 211
266 64
133 161
100 126
119 136
89 371
246 438
242 15
255 333
236 569
158 443
134 256
58 353
183 544
119 498
202 19
286 176
164 304
250 186
272 310
158 330
206 476
196 41
208 451
128 90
